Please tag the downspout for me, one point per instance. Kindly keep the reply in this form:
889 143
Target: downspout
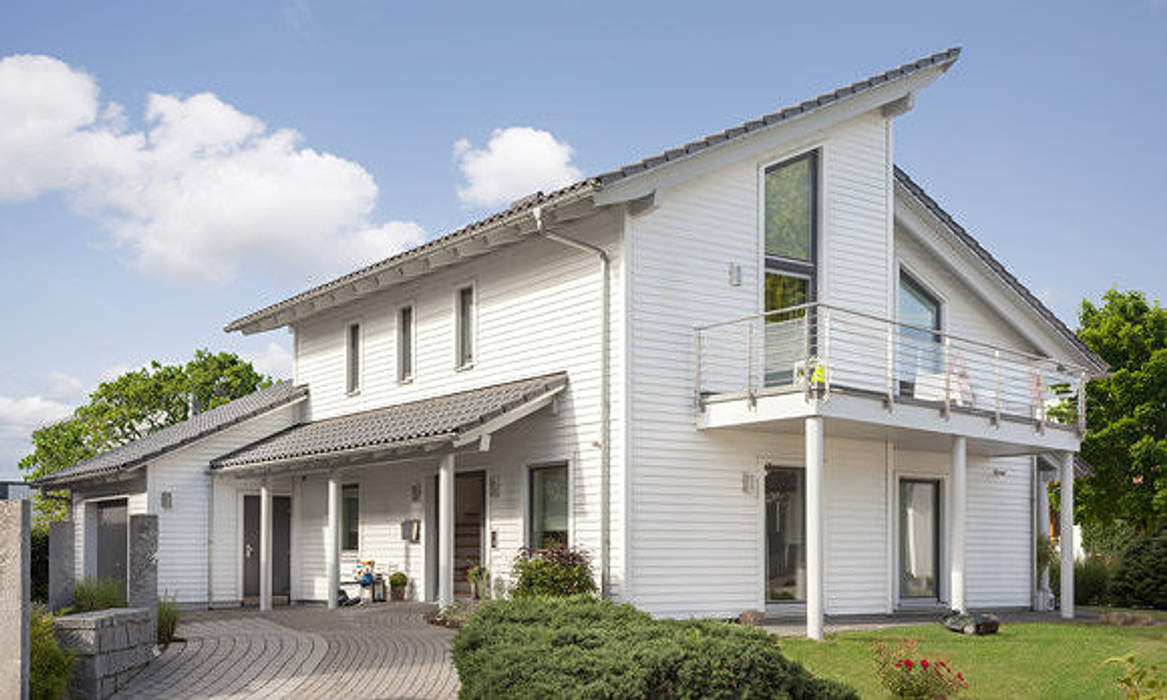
210 539
605 389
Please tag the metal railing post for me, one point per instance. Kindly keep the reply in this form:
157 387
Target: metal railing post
1081 404
997 387
947 376
750 359
890 365
697 376
826 333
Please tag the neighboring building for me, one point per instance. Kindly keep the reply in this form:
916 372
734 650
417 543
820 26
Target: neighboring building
763 370
15 490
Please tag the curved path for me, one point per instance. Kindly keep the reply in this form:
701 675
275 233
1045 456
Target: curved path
379 651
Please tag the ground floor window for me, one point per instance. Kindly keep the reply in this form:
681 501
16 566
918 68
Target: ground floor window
919 538
785 534
549 503
350 516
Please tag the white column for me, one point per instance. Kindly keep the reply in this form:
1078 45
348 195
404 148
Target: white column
265 546
1067 543
1043 591
446 531
814 528
332 537
956 545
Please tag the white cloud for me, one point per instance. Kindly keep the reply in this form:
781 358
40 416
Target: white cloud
275 361
65 388
200 192
516 161
18 418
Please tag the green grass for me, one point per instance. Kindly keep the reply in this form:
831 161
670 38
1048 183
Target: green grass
1030 660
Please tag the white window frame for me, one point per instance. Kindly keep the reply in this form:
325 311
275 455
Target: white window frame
529 507
459 364
402 376
354 354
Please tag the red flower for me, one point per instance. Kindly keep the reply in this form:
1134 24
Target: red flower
924 664
908 663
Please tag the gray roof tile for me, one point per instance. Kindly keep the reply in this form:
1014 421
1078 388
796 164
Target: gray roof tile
436 418
172 437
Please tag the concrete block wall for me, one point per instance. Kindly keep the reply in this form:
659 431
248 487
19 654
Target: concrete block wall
112 645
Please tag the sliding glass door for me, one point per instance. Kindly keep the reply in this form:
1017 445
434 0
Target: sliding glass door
785 534
919 538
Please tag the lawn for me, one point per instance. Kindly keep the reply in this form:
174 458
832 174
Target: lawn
1025 660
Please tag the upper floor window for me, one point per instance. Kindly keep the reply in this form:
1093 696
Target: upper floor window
405 338
350 514
465 326
353 358
791 199
920 356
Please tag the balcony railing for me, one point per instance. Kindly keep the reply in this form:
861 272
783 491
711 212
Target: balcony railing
819 348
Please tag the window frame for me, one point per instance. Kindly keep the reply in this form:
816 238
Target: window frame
406 349
926 290
779 264
529 497
353 357
462 360
344 531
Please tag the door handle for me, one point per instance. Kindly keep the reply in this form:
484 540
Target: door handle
247 551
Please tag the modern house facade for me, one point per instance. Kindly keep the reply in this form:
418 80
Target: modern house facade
761 371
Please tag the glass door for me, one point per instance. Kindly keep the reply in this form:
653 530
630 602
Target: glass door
919 538
785 534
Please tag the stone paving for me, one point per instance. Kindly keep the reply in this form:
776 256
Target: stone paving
380 651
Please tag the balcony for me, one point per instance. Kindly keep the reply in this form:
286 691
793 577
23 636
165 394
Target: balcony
881 378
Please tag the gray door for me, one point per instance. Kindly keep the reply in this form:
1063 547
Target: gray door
251 547
111 541
469 523
281 546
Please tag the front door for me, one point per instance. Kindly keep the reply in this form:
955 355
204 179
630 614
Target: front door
281 544
469 522
112 548
919 538
785 535
251 550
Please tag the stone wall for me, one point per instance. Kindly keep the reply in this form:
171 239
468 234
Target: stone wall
15 520
112 645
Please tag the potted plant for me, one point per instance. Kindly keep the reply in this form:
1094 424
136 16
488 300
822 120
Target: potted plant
397 583
479 579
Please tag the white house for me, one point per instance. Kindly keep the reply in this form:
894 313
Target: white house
763 370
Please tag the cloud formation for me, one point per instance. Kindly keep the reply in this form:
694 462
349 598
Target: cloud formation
516 161
202 190
20 416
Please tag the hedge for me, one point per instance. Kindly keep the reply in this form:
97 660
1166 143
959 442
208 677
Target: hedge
581 647
1140 580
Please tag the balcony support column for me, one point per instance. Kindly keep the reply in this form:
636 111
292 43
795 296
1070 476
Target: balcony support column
332 539
446 531
956 545
814 527
265 545
1067 541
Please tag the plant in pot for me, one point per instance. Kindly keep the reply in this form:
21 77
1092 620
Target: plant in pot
397 583
479 579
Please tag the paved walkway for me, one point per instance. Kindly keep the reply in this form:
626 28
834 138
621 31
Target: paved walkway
378 651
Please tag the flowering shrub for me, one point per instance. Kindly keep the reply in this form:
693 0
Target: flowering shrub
907 675
554 571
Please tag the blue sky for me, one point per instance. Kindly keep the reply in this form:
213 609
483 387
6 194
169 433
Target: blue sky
121 243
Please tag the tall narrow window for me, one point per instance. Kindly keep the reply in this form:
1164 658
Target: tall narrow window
405 344
790 193
548 524
919 362
350 515
465 326
353 356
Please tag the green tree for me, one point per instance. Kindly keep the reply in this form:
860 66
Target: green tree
1126 413
132 406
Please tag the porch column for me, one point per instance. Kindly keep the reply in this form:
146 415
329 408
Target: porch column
265 545
446 531
332 539
1067 542
1044 596
814 528
956 546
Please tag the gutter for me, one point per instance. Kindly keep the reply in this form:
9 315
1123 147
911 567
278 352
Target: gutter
605 388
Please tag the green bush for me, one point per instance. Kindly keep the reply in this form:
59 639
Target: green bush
1092 577
39 556
168 616
1140 580
91 594
398 579
555 571
50 667
582 647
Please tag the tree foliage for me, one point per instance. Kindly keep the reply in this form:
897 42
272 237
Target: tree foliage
1126 412
132 406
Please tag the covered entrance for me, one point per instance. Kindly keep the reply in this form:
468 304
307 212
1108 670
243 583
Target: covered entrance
281 549
112 541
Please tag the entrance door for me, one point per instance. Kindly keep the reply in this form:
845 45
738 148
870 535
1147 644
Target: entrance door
251 550
469 522
281 544
112 548
919 538
785 534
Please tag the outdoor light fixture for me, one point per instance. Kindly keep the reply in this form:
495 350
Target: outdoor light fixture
167 500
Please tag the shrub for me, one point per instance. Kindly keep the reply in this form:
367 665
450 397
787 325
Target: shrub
906 675
39 561
1139 682
398 579
1140 579
168 616
582 647
1092 578
556 571
50 667
91 594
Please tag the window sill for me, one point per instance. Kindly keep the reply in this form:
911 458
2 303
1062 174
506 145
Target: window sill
353 393
464 368
407 380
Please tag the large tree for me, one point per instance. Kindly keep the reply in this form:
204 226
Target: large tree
1126 413
134 405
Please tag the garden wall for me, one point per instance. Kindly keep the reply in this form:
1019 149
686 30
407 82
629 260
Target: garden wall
111 645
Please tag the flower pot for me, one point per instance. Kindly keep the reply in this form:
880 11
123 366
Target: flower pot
397 592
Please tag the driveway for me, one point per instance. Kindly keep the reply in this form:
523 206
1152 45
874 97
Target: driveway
380 651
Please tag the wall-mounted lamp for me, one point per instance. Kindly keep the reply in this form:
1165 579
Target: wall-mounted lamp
735 275
415 492
492 486
748 482
167 500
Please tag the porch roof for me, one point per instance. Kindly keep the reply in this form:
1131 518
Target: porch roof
453 419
